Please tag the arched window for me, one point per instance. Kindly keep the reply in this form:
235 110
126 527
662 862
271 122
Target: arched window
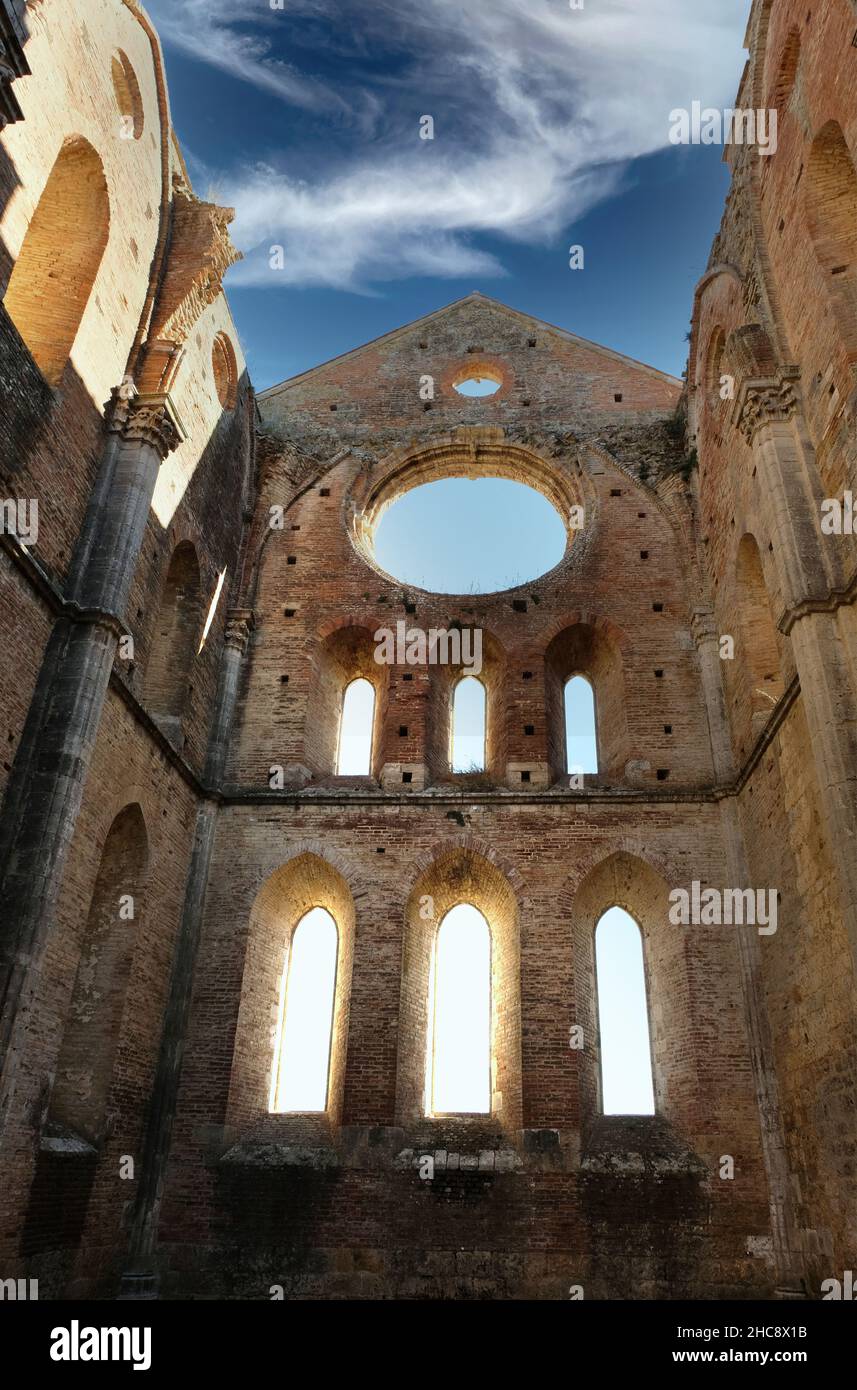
759 667
459 1050
469 725
176 638
54 274
354 758
85 1068
831 198
623 1017
580 737
301 1072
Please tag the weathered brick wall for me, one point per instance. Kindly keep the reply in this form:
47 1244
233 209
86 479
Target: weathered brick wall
62 1209
773 264
323 1217
546 1192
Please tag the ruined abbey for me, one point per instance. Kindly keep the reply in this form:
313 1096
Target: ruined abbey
189 590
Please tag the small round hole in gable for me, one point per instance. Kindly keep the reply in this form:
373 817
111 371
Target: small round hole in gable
477 380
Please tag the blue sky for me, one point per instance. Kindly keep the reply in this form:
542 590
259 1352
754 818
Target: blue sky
551 128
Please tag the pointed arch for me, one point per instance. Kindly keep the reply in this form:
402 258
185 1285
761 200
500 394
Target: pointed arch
758 669
461 877
458 1064
53 278
306 902
300 1075
624 1039
84 1074
176 637
356 729
831 206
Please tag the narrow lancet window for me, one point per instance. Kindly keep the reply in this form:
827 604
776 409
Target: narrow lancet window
301 1070
354 758
469 721
580 737
459 1052
623 1017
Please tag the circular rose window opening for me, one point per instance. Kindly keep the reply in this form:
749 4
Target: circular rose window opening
469 536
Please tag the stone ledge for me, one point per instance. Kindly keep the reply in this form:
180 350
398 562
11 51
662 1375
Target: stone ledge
639 1146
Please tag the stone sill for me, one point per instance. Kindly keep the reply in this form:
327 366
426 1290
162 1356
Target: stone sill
63 1142
283 1141
639 1146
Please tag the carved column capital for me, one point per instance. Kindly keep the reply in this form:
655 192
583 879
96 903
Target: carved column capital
145 419
774 400
239 626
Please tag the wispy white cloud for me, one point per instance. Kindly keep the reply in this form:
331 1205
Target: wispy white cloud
537 108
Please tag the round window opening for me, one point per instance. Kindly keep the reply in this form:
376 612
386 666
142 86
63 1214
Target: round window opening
128 98
469 536
478 386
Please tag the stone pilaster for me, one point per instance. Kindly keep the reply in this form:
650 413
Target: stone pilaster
141 1278
49 776
705 636
768 414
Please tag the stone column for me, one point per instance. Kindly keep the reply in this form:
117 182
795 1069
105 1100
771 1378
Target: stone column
140 1279
49 777
704 631
768 414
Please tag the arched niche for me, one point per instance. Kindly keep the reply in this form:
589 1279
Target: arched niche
83 1079
338 661
178 629
54 275
289 894
587 650
460 876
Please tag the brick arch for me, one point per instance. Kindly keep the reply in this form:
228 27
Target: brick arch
345 653
177 631
627 879
581 648
830 192
81 1091
756 672
782 83
307 879
443 681
64 246
461 872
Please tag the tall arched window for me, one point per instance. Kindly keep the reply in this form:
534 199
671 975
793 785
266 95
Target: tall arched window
623 1017
176 638
580 737
54 274
759 668
459 1045
831 199
301 1071
84 1071
469 725
354 757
